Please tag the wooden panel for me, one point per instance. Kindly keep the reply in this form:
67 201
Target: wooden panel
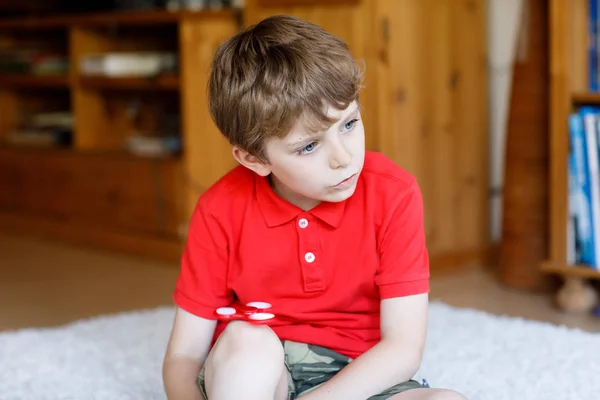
438 121
408 85
91 130
117 193
131 18
207 154
9 117
578 42
560 92
404 126
470 124
439 169
452 260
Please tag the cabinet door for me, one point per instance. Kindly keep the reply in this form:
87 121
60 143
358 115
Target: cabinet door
12 183
127 194
32 182
117 193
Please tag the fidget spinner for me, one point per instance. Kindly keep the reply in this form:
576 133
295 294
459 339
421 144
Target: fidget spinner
253 312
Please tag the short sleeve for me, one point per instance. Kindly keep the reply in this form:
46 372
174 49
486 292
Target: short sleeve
404 259
202 283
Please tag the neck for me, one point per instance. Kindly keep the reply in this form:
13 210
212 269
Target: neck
290 196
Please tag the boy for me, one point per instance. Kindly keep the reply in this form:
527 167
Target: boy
329 234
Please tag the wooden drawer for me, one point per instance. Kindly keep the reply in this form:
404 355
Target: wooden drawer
110 192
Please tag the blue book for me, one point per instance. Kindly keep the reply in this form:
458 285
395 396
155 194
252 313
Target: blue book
578 124
591 119
573 240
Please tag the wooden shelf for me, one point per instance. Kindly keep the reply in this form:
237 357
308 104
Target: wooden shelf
24 149
70 151
586 98
163 82
124 154
34 81
576 271
304 3
110 18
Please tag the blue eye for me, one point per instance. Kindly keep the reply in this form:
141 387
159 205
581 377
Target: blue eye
350 124
309 148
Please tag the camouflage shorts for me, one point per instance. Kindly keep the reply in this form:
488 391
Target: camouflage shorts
310 366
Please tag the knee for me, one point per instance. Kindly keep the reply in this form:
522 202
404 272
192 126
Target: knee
244 336
446 394
242 340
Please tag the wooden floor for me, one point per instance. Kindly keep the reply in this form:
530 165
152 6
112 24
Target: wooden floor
45 284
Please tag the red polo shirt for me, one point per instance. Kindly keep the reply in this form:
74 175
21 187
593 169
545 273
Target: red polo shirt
327 268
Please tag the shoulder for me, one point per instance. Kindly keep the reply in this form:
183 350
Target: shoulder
221 205
234 187
390 193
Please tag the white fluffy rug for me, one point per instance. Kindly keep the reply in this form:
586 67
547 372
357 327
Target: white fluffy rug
118 357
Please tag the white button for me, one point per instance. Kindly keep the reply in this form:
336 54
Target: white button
303 223
309 257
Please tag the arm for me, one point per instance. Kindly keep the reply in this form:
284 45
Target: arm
200 288
396 358
186 352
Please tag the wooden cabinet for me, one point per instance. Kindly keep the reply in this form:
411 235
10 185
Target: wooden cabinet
93 191
424 102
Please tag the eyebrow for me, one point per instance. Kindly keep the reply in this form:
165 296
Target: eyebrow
311 138
303 142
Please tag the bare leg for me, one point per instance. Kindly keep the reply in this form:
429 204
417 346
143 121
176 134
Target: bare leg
429 394
246 363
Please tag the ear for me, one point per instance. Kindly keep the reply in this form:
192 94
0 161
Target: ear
251 162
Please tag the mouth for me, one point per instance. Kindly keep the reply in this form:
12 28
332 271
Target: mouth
346 182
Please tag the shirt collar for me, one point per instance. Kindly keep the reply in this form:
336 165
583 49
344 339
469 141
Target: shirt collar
277 211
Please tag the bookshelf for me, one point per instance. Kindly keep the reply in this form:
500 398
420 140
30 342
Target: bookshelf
93 189
568 30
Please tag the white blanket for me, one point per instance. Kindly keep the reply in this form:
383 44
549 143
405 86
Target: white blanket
118 357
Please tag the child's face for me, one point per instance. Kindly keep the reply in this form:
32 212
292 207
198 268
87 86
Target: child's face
309 168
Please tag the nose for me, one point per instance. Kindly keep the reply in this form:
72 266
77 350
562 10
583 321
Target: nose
340 157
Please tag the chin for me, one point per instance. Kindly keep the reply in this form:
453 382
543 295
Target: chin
340 196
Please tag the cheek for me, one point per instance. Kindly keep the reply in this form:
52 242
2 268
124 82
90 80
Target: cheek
357 139
306 173
303 174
